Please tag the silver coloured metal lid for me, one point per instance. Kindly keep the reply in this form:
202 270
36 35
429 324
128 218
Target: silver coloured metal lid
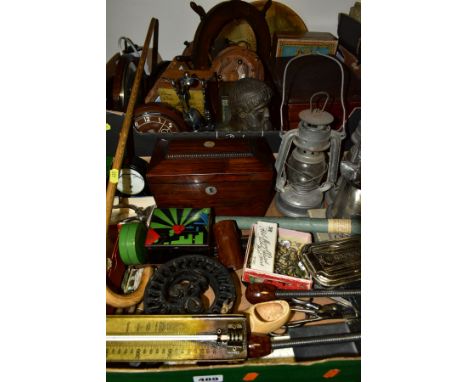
335 262
316 117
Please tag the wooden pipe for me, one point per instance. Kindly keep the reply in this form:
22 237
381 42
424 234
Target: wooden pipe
114 299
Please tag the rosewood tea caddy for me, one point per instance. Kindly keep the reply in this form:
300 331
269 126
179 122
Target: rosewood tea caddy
232 176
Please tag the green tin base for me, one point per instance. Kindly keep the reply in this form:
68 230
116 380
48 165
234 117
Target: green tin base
332 370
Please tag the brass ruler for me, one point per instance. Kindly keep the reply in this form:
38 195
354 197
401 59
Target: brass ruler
163 338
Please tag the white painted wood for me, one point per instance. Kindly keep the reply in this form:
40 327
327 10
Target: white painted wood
178 22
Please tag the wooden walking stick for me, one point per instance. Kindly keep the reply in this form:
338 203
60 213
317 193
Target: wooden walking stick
112 298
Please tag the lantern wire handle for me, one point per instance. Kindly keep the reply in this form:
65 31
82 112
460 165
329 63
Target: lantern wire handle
316 94
126 40
341 130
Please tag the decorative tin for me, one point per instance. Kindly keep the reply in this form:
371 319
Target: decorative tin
334 263
177 231
290 44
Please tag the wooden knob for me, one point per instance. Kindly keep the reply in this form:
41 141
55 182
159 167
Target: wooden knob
259 345
256 293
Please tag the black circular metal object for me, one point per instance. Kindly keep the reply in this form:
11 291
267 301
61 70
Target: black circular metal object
123 82
178 285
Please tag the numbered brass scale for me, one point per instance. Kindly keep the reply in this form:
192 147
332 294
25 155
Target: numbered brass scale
162 338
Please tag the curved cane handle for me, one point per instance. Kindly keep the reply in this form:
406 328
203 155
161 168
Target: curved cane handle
127 300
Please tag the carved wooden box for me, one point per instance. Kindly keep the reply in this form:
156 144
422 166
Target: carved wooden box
232 176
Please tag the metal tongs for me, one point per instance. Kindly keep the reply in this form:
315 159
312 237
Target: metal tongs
341 309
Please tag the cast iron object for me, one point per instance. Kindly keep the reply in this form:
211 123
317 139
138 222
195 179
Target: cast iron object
217 18
178 285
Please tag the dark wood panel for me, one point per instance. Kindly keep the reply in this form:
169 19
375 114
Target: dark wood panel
255 163
209 178
231 198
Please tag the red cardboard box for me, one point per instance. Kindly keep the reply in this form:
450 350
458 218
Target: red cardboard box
296 239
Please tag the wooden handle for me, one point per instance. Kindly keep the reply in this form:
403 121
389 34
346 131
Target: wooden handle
259 345
112 298
256 293
228 242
